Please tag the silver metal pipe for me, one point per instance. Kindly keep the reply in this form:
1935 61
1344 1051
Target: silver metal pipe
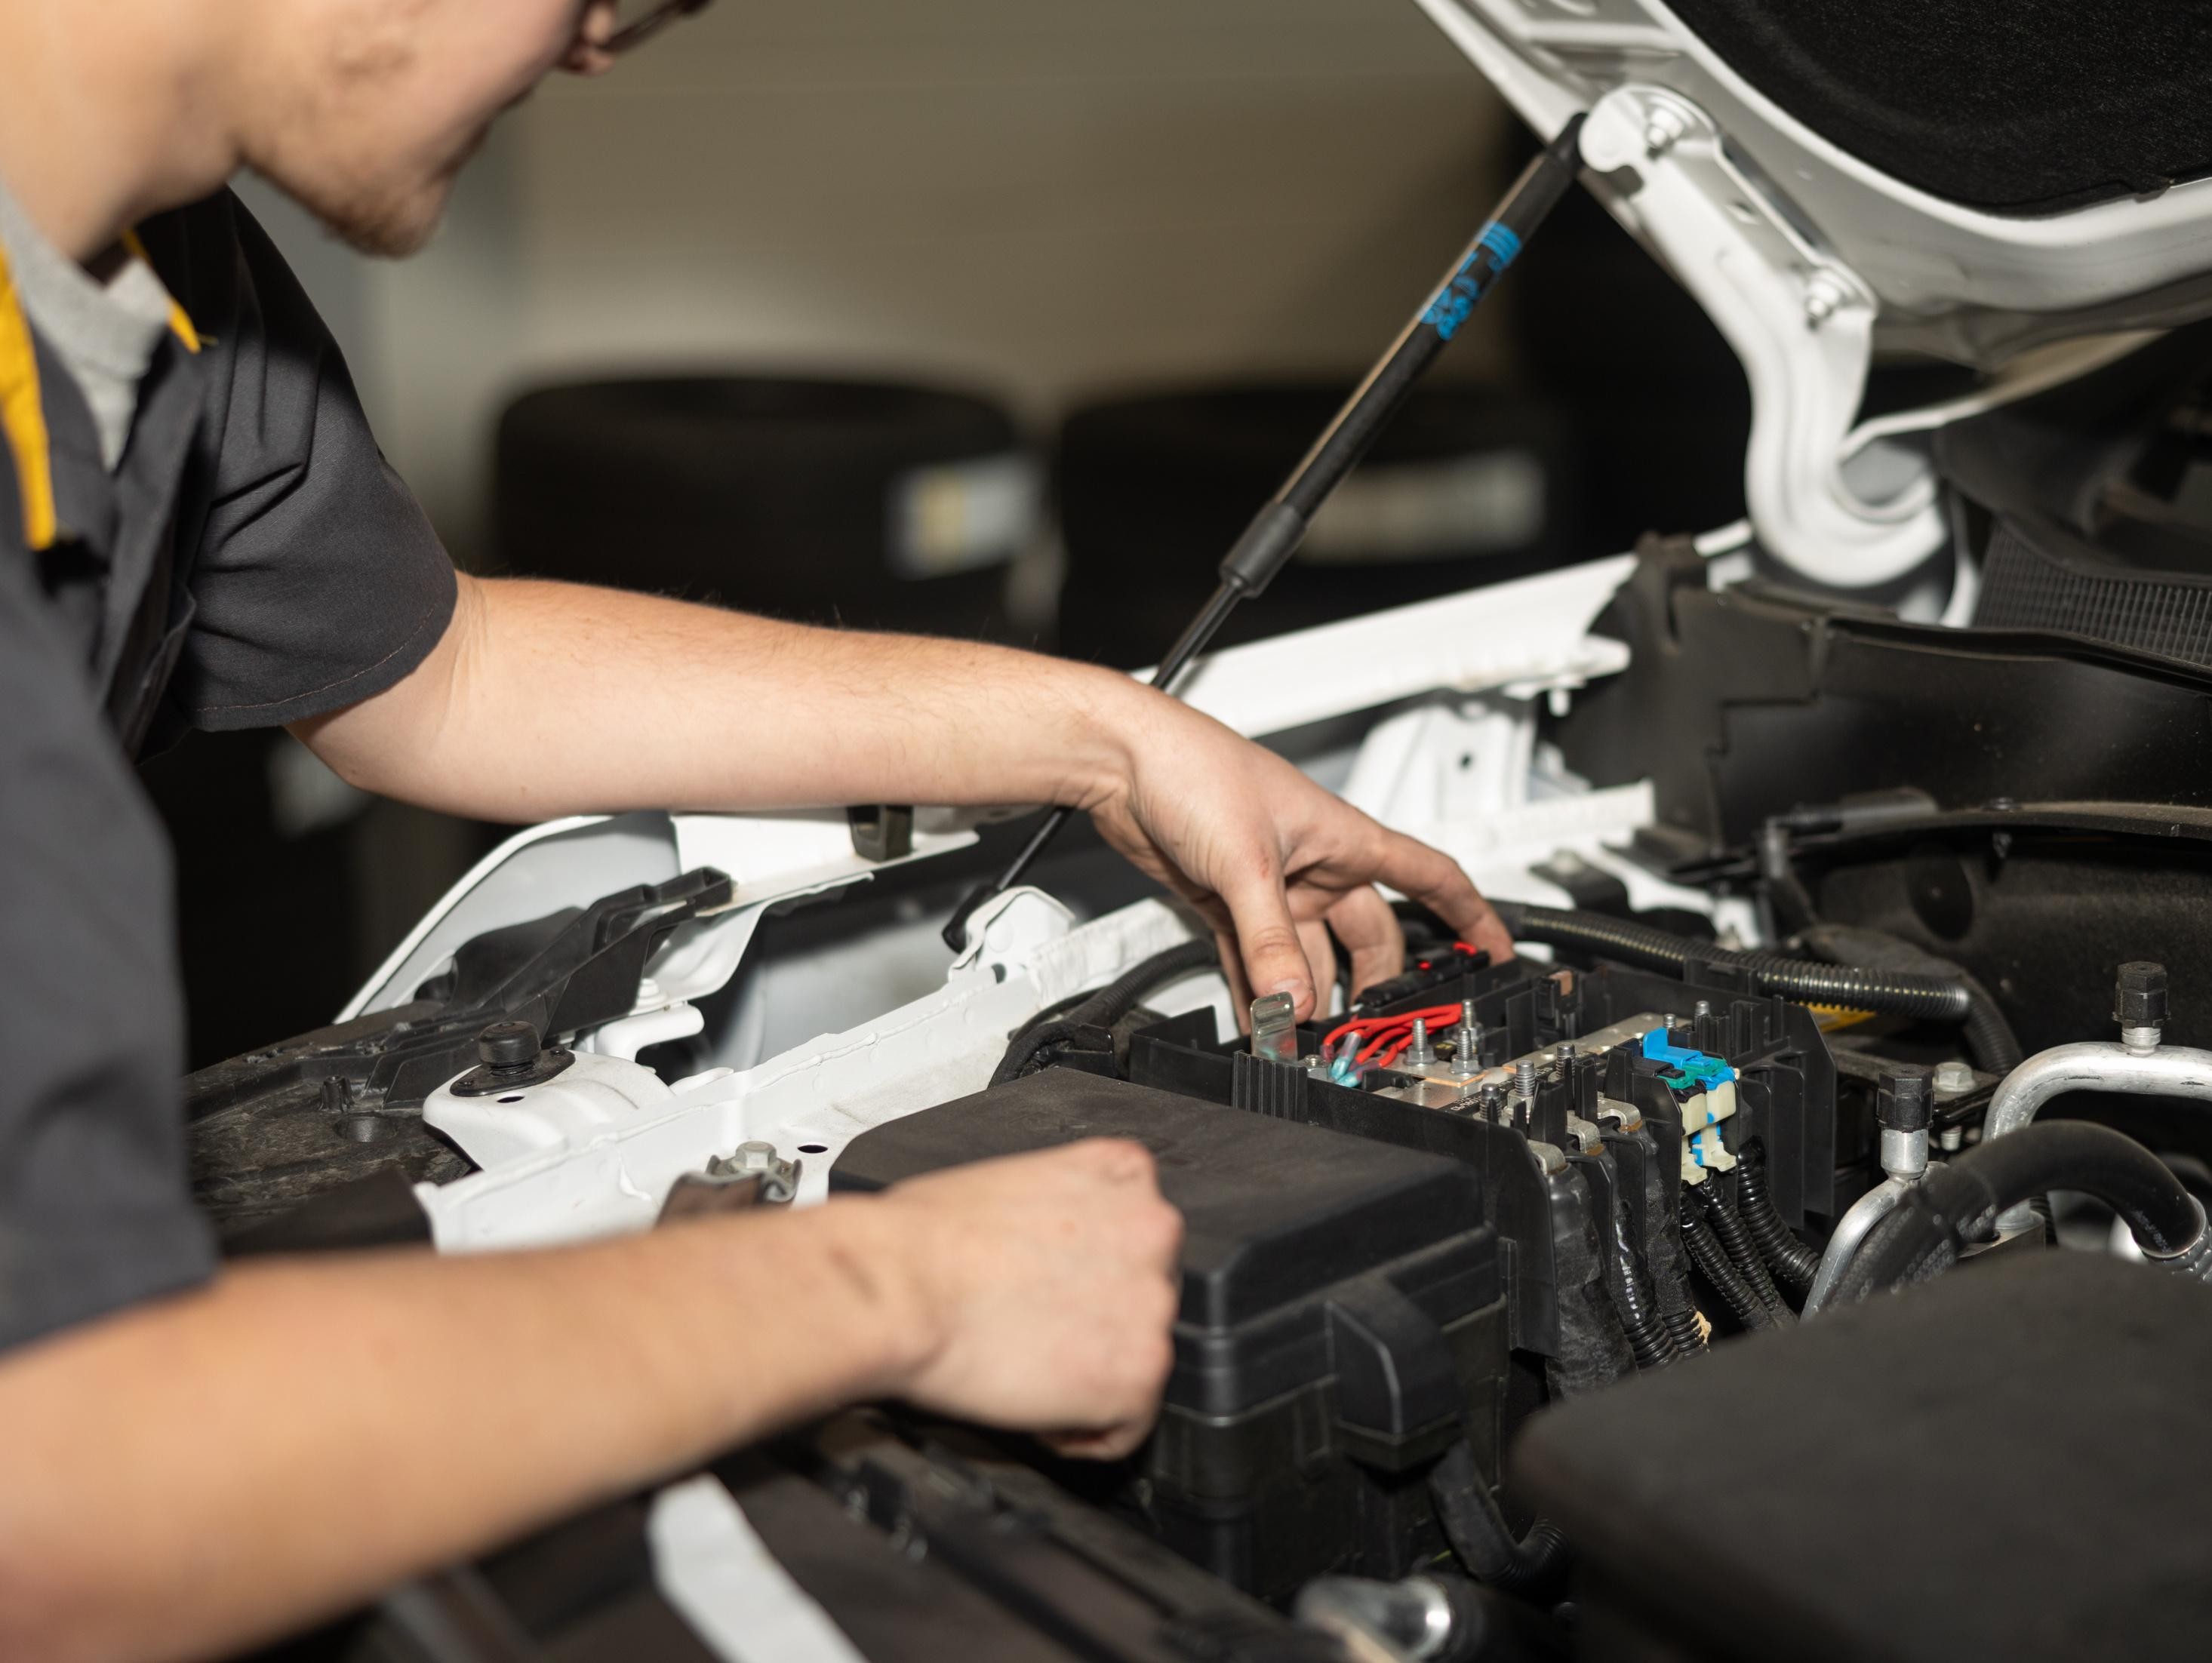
2138 1069
1853 1227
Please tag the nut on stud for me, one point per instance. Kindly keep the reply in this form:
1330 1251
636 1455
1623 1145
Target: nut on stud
1901 1103
507 1045
2139 995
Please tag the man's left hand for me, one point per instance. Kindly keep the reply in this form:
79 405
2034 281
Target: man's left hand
1273 862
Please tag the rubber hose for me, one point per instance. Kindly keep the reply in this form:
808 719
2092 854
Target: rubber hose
1103 1008
1994 1048
1653 1345
1479 1533
1910 1246
1712 1262
1990 1042
1791 1260
1958 1202
1928 999
1735 1241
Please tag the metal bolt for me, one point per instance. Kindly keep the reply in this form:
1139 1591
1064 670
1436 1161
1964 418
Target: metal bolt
1420 1051
1524 1079
1663 129
1824 298
1467 1038
754 1156
1953 1079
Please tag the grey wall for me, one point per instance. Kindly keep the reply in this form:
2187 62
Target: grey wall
1047 197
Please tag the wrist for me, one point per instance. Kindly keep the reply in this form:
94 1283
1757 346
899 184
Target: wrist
1116 719
872 1253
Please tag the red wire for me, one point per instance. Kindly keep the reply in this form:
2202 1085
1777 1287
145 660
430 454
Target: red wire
1372 1029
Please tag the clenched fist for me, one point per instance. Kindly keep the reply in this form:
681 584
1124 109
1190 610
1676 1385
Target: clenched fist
1046 1284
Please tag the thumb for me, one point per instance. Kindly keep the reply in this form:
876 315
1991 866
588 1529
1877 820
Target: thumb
1267 940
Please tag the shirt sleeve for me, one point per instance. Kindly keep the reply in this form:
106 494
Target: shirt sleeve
316 578
95 1211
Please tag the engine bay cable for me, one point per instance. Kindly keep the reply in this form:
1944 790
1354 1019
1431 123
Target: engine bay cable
1479 1533
1715 1265
1903 993
1729 1229
1792 1260
1032 1045
1990 1042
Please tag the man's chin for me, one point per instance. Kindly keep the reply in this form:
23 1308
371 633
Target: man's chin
390 229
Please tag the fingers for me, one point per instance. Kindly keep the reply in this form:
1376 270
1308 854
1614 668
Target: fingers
1107 1445
1320 948
1116 1160
1434 879
1368 928
1267 938
1232 968
1049 1286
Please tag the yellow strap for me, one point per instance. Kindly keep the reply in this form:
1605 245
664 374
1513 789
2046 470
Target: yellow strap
23 411
23 416
179 325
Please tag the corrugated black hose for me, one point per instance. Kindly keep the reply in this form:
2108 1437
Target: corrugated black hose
1929 998
1958 1202
1791 1260
1735 1241
1994 1048
1639 1318
1712 1262
1683 1329
1033 1047
1479 1533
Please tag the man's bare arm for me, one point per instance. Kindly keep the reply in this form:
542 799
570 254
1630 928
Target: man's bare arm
549 699
546 698
190 1476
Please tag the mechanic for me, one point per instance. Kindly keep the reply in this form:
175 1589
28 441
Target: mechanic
196 529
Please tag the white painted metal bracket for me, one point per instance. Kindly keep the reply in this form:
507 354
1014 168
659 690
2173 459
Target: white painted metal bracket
1800 321
595 1154
1805 256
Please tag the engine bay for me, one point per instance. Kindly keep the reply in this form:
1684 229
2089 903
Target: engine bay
1797 1249
1439 1242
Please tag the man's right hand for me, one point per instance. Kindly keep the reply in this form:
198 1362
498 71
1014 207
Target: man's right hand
1047 1286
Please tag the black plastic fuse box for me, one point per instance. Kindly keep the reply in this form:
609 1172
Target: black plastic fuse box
1342 1320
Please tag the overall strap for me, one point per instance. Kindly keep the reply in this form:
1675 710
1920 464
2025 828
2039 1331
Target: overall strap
23 416
179 325
23 407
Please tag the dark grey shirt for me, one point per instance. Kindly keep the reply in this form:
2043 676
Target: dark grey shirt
250 560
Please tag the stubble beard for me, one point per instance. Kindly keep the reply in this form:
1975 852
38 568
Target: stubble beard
393 217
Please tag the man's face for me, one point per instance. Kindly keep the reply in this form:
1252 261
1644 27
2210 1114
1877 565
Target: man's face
367 110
